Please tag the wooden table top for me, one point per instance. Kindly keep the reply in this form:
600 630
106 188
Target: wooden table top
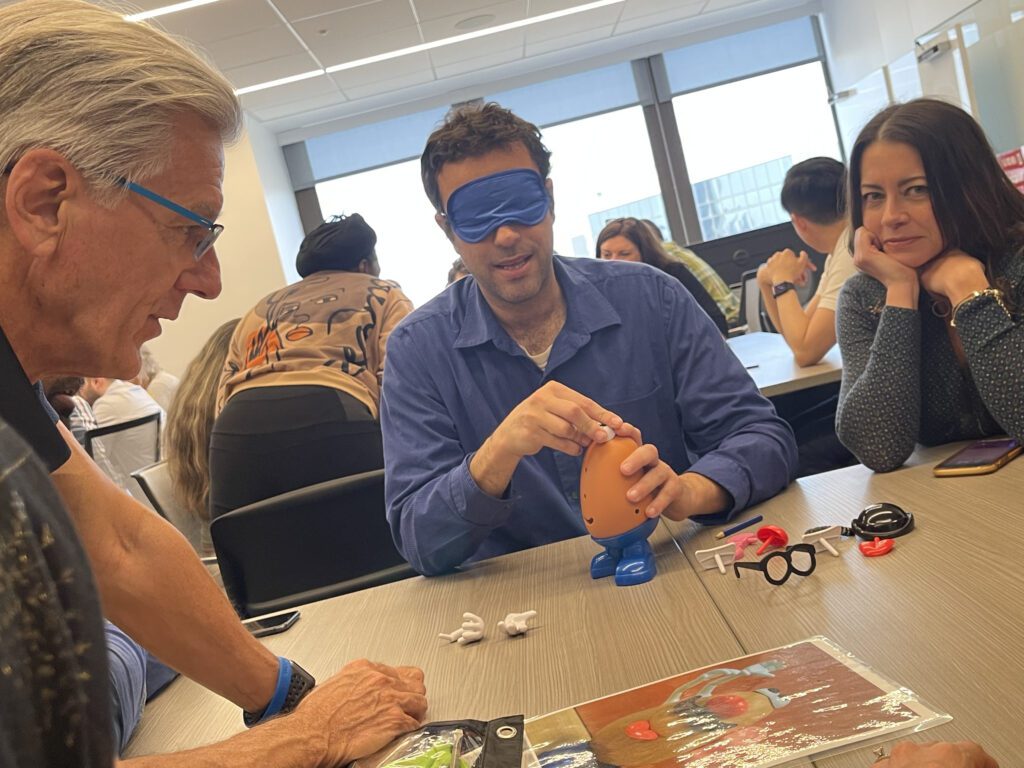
591 639
942 613
775 371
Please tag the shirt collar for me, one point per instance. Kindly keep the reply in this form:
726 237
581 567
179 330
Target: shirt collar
586 308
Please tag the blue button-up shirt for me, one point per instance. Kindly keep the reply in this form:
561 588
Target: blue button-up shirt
634 341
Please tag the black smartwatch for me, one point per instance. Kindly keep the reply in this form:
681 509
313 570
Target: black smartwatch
293 683
780 288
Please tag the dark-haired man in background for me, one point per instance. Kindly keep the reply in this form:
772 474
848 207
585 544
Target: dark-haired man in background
813 194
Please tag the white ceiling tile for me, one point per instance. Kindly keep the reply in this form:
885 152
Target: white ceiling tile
288 108
360 32
291 93
390 85
220 20
464 66
272 69
411 66
571 25
252 47
481 46
294 10
644 14
684 8
717 5
441 27
567 41
430 10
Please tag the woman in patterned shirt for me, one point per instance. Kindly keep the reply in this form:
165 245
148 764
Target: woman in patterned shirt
931 331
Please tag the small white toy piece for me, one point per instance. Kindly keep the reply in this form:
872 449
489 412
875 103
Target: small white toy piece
515 623
471 631
822 538
719 556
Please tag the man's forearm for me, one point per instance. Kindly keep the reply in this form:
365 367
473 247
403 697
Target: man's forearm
154 587
272 745
492 468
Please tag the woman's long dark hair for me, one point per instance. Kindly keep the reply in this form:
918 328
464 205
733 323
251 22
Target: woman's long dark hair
640 235
977 208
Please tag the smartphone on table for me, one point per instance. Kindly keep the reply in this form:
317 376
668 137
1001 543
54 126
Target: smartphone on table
261 626
980 458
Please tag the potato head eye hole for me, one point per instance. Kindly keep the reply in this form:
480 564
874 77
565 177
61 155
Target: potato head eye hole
636 511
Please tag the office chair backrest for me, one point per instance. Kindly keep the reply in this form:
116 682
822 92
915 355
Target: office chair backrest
155 482
750 302
306 545
120 449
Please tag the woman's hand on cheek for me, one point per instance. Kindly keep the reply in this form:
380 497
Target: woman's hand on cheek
869 258
954 275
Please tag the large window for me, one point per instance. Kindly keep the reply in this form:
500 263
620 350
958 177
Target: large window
740 138
601 168
410 246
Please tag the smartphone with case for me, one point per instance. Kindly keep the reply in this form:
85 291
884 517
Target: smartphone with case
261 626
979 458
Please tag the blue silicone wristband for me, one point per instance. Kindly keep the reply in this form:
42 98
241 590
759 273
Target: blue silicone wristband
284 681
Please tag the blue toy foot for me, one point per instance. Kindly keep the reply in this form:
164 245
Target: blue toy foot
633 571
603 564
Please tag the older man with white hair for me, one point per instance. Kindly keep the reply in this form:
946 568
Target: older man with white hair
112 161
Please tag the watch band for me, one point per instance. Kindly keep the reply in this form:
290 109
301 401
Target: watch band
780 288
293 683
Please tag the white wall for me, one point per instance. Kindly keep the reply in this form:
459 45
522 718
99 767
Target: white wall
867 34
248 252
277 194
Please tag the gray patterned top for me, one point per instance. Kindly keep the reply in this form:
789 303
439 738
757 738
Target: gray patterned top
902 383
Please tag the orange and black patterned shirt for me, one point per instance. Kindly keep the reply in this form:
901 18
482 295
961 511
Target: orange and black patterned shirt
329 330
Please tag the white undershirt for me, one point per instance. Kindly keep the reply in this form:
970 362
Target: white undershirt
541 358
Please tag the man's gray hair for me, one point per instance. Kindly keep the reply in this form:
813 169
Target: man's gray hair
102 91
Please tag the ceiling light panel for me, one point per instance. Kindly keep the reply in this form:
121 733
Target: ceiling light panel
271 70
221 20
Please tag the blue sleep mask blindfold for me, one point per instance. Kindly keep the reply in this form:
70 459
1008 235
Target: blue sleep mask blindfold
480 206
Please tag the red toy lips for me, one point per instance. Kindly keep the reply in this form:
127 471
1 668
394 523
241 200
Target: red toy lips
641 731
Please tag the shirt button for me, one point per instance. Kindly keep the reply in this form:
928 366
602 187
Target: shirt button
574 495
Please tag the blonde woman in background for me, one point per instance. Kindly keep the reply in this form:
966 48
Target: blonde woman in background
187 438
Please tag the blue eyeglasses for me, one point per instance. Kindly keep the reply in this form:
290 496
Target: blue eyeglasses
212 230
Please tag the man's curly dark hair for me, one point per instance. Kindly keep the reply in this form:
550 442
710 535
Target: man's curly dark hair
472 131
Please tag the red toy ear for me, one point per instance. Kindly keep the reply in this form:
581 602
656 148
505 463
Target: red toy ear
727 705
641 731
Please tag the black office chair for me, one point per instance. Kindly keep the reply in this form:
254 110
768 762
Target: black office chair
310 544
120 449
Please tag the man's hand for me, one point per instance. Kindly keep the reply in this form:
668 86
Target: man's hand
965 754
786 267
554 416
359 710
677 496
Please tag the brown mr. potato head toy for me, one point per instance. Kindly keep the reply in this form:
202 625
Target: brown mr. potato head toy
614 522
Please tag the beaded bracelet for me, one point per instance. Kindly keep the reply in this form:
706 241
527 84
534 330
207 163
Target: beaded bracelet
995 293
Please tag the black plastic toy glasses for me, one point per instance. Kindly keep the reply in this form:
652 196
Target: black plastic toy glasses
777 566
